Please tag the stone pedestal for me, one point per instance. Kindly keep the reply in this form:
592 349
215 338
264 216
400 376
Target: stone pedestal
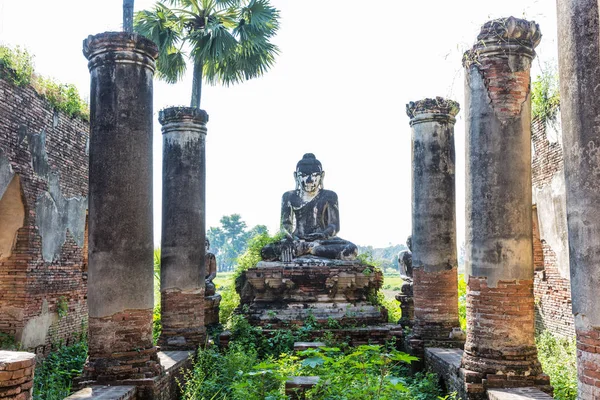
579 65
434 261
500 348
279 293
183 228
121 276
211 309
407 305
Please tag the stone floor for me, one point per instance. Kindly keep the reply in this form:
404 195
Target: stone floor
104 393
159 388
518 394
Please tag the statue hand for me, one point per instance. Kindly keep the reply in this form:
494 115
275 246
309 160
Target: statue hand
316 236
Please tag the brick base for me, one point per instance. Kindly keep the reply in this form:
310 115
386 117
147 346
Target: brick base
435 303
16 375
120 347
211 309
588 364
500 329
182 315
500 350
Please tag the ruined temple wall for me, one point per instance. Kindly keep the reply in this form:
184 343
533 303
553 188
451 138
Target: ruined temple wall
552 288
43 193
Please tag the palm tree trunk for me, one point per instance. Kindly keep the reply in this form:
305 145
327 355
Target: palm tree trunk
128 15
197 84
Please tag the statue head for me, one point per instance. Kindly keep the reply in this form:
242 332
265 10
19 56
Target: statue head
309 174
207 244
409 242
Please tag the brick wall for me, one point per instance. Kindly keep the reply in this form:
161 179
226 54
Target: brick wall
552 288
45 270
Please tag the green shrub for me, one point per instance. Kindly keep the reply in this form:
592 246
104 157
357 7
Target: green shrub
8 342
364 372
16 65
559 360
156 324
53 377
234 374
230 299
462 302
545 95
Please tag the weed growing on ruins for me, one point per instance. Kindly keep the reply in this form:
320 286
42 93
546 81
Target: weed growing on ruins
8 342
62 307
364 372
53 377
16 65
545 96
559 360
462 302
230 299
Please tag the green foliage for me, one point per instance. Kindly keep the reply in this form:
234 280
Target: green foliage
156 318
230 299
252 253
367 258
16 65
63 97
156 324
231 239
545 95
559 360
386 257
364 372
62 307
52 379
8 342
265 346
392 282
393 308
234 374
462 302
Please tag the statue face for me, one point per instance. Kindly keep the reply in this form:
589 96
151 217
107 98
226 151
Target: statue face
309 178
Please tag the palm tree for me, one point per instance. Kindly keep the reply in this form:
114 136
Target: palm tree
228 41
128 15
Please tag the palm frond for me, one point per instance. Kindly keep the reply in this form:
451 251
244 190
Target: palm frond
230 38
171 66
262 15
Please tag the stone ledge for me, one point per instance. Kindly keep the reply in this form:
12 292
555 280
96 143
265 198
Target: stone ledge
445 362
104 393
517 394
163 387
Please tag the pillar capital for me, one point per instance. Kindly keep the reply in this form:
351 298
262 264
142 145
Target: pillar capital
183 119
437 109
503 36
119 47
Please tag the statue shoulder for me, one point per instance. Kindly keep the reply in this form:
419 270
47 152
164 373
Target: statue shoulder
330 195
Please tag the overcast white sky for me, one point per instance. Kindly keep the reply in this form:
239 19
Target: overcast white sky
339 88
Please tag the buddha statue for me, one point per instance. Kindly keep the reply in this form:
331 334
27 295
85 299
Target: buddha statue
211 271
405 261
309 219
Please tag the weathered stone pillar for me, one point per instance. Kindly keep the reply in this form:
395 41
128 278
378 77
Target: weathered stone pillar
183 228
579 55
500 348
435 279
120 285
